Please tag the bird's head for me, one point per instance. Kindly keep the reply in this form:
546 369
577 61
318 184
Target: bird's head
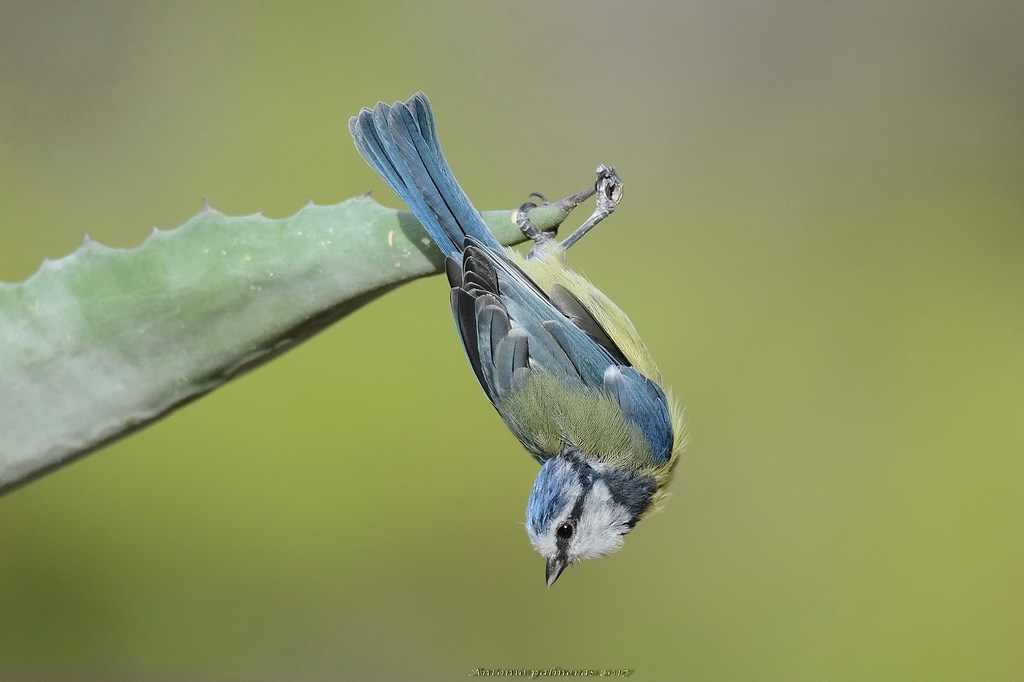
580 509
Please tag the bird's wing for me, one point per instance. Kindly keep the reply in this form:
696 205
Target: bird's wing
510 327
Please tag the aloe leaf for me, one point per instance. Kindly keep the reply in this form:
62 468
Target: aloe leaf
104 341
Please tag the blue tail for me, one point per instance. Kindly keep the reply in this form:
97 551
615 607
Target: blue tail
400 143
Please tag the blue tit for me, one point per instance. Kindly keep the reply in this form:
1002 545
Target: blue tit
562 364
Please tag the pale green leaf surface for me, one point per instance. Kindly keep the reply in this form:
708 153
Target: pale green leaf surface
100 343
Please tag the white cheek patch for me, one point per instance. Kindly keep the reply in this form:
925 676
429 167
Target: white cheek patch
601 526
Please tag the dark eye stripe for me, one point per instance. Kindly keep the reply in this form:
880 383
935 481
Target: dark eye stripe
585 475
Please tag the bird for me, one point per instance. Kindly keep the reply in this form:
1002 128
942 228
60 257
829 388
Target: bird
561 363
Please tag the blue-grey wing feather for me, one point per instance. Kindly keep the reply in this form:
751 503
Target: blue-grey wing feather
643 403
556 345
570 306
511 359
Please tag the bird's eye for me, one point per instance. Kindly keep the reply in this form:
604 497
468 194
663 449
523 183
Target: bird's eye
564 531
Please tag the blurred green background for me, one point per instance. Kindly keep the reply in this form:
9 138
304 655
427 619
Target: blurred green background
822 240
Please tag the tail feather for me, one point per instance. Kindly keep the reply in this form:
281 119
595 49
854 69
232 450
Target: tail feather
400 143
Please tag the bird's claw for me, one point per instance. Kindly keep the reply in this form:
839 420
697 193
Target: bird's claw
521 218
608 187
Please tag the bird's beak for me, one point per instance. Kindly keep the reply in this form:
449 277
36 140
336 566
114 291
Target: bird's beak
554 569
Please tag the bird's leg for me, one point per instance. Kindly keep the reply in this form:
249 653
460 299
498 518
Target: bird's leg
608 187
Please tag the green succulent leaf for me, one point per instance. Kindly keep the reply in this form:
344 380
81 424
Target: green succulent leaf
104 341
